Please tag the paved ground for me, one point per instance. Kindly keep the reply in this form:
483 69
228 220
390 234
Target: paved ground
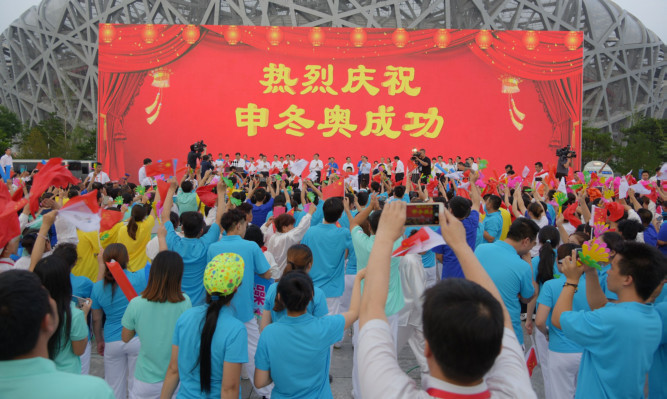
341 371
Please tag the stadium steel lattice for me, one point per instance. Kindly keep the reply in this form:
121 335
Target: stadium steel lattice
49 61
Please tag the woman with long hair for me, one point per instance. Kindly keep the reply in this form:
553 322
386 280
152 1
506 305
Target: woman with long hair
152 316
299 258
564 355
71 337
544 269
136 235
108 300
210 344
294 352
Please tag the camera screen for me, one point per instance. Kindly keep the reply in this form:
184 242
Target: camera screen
422 214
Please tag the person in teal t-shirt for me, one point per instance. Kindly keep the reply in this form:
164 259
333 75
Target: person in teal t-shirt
70 339
619 339
28 320
109 300
492 225
152 316
294 352
299 258
505 263
193 247
214 372
234 223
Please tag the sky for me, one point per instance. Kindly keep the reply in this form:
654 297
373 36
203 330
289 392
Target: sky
651 12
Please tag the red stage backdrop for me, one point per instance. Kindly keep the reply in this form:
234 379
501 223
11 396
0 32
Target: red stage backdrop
504 96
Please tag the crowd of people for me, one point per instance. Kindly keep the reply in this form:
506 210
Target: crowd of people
165 287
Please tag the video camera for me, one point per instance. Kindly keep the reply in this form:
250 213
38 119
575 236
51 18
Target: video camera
198 146
415 154
565 152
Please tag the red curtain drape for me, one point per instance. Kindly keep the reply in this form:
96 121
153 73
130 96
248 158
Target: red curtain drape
123 66
562 100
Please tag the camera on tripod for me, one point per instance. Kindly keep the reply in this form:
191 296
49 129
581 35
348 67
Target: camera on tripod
565 152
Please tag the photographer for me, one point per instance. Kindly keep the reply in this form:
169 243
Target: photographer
424 164
196 151
565 156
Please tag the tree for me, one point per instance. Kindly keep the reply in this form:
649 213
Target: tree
10 127
596 145
55 137
643 146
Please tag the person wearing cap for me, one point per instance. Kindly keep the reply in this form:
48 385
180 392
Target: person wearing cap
234 223
210 344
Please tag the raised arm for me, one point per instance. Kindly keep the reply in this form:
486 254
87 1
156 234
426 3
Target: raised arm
454 235
364 213
38 248
168 201
221 208
572 274
376 286
585 211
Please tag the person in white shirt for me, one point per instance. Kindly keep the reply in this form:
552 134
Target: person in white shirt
97 175
238 163
470 347
143 179
219 163
7 164
348 164
263 165
364 172
316 166
399 170
540 174
277 163
352 180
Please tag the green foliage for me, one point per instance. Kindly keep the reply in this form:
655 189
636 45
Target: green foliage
643 146
54 137
10 127
596 145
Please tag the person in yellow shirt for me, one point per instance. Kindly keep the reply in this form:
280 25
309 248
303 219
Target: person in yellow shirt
136 235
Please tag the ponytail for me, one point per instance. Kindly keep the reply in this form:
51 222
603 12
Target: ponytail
208 329
114 252
295 290
138 215
549 238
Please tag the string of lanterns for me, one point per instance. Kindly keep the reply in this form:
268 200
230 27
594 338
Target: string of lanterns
358 37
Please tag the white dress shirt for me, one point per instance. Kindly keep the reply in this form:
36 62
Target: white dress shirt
316 165
143 179
279 243
348 165
6 160
101 177
400 167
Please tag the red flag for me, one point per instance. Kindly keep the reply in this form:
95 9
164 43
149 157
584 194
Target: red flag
109 219
377 178
461 192
291 212
274 171
122 280
4 193
206 195
18 193
51 174
570 215
531 360
9 220
423 240
432 188
335 189
90 200
162 189
161 168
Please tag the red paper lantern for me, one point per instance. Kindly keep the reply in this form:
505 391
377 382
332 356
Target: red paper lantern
400 37
483 39
191 34
358 37
107 33
274 35
573 40
442 38
232 34
316 36
531 40
149 34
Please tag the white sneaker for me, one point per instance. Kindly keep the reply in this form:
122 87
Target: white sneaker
523 317
338 345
